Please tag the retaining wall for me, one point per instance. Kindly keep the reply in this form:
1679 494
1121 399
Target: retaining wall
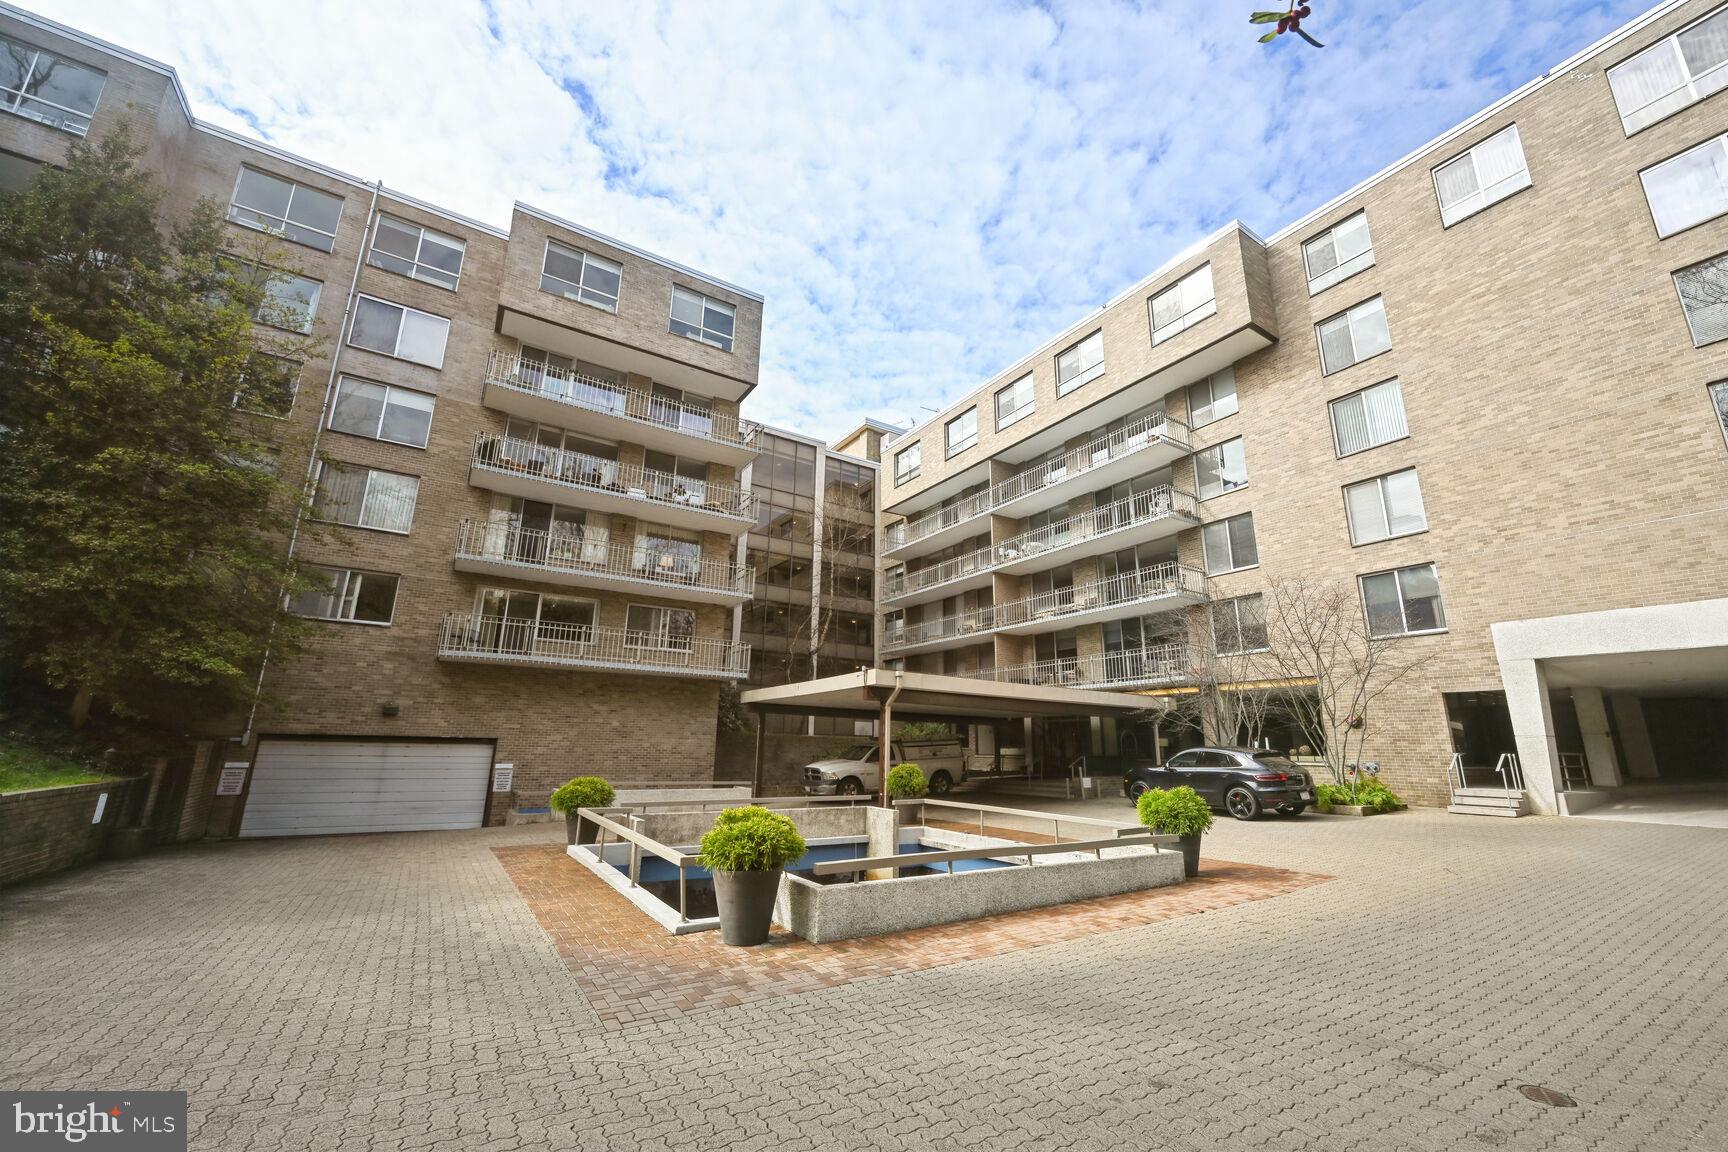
47 829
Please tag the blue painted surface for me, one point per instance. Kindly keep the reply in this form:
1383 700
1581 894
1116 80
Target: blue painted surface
656 869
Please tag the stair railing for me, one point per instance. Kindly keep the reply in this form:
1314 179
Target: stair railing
1511 777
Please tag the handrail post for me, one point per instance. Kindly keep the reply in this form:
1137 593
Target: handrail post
683 916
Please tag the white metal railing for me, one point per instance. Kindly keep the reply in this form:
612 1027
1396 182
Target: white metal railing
559 466
1041 474
558 552
1161 663
567 386
1140 508
586 645
932 575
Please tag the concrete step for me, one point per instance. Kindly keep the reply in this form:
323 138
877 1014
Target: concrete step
1485 810
1496 795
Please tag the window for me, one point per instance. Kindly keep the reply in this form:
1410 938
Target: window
343 594
907 463
1183 304
1338 253
668 629
1704 298
267 385
288 302
1014 402
47 88
16 172
1719 396
962 431
515 621
700 318
1229 544
1369 418
365 497
1221 468
410 250
405 333
381 412
1485 175
1689 188
286 209
1082 363
1403 602
577 275
667 553
1212 399
1673 73
1384 507
1239 625
1352 337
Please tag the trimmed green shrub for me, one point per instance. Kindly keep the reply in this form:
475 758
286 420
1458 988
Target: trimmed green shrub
1368 793
1174 811
751 839
906 782
582 792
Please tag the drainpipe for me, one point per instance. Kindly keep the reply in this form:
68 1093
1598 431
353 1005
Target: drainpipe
317 436
883 739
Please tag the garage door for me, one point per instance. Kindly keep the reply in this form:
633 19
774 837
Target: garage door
315 787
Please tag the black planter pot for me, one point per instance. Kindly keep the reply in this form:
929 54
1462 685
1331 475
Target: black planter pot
746 901
1191 855
588 833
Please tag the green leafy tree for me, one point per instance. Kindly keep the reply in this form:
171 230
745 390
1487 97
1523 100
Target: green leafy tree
142 519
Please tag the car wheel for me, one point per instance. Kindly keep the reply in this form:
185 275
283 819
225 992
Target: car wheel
940 783
1241 803
851 786
1137 789
1292 809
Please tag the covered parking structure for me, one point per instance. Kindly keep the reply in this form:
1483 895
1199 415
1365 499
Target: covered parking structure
887 694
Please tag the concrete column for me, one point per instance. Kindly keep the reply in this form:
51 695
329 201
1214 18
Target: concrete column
1598 745
1635 738
1526 687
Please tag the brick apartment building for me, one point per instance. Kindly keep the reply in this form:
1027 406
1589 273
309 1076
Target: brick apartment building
1488 386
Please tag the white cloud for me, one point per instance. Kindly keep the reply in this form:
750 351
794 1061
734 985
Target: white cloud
923 192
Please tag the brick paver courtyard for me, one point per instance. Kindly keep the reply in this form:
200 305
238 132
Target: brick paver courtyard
398 992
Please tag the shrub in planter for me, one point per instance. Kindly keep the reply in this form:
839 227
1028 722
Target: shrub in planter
746 850
1177 812
581 792
906 782
1369 794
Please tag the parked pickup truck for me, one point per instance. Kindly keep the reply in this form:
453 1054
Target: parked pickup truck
859 769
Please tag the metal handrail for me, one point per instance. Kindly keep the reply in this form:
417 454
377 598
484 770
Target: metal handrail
540 548
1160 662
1456 769
1511 776
510 454
1140 508
992 852
577 645
637 841
969 564
1574 771
1056 820
613 399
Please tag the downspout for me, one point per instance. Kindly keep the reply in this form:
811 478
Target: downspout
312 457
884 737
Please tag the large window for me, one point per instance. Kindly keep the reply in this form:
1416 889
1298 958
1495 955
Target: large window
961 432
1014 402
700 318
667 553
1403 602
47 88
406 248
577 275
1212 398
1352 337
1183 304
1338 253
1239 625
16 172
382 412
516 621
344 594
405 333
365 497
1689 188
908 462
1485 175
1384 507
286 209
1369 418
1229 544
1221 468
267 385
1672 73
1704 298
666 629
1080 364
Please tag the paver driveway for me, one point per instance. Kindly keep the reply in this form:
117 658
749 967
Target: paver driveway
395 992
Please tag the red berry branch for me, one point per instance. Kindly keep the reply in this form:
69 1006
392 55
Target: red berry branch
1289 20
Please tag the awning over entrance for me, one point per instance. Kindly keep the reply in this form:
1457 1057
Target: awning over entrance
922 695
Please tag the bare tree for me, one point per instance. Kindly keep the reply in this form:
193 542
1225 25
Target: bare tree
844 531
1232 699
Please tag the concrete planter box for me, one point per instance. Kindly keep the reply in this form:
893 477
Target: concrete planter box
1353 810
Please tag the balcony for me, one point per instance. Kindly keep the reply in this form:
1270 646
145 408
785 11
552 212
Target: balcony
1133 450
498 640
534 472
1134 668
568 399
537 554
960 574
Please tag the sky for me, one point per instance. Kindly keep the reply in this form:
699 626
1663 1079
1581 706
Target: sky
924 193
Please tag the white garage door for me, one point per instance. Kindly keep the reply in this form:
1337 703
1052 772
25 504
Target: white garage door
315 787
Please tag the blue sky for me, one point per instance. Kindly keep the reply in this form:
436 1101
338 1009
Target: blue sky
923 192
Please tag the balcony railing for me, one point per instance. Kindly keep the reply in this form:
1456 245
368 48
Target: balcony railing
1035 477
559 466
975 622
612 399
510 641
1140 508
561 552
932 575
1159 664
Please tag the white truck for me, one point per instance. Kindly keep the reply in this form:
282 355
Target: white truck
858 769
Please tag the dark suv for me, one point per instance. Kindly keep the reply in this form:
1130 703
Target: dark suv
1241 781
